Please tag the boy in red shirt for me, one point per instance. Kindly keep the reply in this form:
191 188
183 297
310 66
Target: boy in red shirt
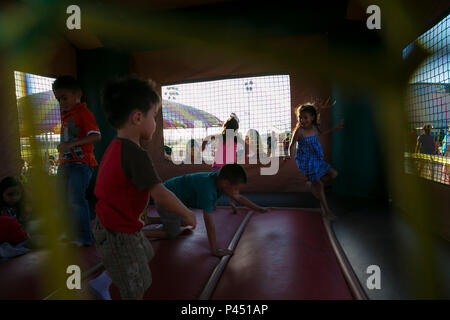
79 132
125 180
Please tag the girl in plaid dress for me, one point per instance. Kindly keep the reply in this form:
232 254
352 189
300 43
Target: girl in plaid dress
309 156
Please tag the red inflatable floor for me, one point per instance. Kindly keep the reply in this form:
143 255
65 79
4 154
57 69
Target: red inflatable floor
21 277
282 254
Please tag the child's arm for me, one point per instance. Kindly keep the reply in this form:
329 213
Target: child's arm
339 126
418 145
247 203
92 138
204 144
211 232
168 201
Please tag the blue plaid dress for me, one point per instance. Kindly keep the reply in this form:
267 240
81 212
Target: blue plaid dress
309 157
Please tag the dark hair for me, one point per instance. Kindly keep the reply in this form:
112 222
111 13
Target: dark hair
230 124
66 82
311 109
233 173
9 182
168 150
121 96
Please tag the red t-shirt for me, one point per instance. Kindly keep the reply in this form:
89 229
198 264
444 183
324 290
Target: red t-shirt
125 176
78 123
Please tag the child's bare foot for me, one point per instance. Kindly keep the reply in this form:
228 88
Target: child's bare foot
312 189
233 207
222 252
186 230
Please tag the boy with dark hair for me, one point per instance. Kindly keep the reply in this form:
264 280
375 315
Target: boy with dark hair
79 132
125 181
201 191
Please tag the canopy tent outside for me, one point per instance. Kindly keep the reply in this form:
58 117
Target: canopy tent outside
178 115
187 121
47 116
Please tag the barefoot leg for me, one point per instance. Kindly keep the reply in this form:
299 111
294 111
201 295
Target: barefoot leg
330 175
152 220
313 190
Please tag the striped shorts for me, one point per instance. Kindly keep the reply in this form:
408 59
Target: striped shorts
126 259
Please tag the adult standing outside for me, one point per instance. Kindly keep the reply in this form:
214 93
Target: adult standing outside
426 145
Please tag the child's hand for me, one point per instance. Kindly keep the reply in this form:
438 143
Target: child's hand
222 252
63 146
286 158
190 220
340 125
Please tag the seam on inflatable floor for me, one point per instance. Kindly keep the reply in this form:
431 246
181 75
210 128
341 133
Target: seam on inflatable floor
349 275
220 267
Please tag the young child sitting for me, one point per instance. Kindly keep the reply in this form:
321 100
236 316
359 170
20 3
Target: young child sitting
125 181
13 218
201 191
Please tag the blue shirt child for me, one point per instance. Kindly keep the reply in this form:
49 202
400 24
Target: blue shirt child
196 191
